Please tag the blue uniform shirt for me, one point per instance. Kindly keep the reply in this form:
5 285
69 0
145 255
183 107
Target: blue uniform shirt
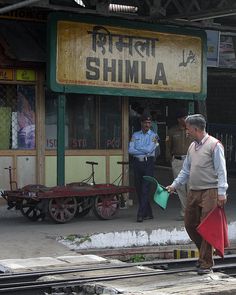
143 144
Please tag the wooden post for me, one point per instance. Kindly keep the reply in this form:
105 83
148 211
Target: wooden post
40 130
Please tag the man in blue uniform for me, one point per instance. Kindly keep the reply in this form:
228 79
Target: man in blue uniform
142 147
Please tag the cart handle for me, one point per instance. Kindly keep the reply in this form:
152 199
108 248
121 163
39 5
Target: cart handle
10 177
91 163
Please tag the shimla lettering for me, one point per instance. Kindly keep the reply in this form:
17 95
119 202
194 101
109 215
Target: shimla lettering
125 71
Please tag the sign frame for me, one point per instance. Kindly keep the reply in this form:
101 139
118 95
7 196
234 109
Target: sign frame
100 90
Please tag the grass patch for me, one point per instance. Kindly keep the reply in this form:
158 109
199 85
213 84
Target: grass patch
137 258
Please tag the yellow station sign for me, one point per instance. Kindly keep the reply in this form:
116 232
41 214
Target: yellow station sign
107 56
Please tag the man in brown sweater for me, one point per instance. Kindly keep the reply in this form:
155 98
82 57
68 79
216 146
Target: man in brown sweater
205 169
177 144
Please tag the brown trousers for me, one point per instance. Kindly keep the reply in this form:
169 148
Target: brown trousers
199 204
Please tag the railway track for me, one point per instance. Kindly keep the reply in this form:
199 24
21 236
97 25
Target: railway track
30 283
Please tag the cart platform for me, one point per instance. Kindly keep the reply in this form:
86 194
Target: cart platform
62 203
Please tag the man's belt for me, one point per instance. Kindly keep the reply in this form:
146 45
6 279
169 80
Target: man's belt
181 157
143 159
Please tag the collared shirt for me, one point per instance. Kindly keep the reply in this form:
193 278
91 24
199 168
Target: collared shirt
219 165
177 142
143 144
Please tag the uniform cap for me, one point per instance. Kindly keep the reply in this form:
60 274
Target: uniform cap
181 113
146 117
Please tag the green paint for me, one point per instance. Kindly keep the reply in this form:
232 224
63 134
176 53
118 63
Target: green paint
191 107
61 139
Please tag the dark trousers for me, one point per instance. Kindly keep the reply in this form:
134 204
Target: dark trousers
199 204
142 186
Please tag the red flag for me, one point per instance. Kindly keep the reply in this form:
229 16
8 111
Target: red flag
214 229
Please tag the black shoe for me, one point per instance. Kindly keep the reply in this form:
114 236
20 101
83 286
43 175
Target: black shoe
197 264
148 217
139 219
204 271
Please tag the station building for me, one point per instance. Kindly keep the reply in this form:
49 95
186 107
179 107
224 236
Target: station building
86 72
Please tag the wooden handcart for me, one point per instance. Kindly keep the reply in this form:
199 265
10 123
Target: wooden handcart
63 203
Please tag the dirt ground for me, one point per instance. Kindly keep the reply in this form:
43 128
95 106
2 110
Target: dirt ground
21 238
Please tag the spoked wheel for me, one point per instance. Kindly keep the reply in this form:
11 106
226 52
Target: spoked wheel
62 210
31 210
106 207
84 205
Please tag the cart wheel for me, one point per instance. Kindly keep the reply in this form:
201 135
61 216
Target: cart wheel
30 210
62 210
84 205
105 206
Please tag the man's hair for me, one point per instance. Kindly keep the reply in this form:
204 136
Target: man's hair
197 121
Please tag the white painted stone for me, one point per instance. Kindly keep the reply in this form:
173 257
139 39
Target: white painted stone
129 239
136 238
232 230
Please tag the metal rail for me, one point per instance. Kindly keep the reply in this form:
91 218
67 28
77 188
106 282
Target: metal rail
47 286
32 287
155 264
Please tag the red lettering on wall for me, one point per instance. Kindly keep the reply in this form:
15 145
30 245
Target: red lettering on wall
113 143
79 143
51 143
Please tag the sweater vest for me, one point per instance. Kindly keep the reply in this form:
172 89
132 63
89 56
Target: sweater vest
202 173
